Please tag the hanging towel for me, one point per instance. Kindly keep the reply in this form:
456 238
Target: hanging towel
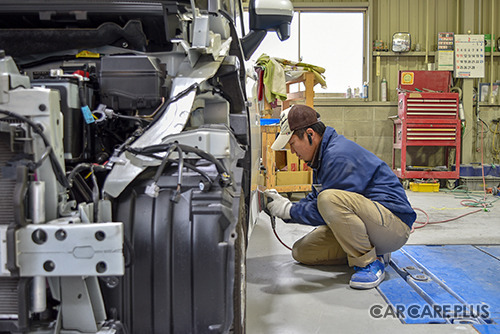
274 78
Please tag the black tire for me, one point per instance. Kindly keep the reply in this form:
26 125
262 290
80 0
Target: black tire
239 291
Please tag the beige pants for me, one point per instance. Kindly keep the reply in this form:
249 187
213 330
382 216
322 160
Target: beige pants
357 230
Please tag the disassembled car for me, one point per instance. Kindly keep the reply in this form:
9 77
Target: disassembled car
128 162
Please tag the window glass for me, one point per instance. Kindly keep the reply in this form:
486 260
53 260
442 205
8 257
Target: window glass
332 40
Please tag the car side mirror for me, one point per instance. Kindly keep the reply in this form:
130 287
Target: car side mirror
267 15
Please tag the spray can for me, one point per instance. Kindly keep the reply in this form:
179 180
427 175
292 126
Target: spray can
383 90
461 111
365 90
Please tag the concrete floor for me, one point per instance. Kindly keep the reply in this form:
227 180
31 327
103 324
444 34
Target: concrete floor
284 297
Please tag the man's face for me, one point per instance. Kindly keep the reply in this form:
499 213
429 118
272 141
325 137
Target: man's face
301 147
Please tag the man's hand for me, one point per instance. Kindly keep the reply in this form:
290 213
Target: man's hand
278 205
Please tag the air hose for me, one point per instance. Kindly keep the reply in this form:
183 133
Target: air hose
273 225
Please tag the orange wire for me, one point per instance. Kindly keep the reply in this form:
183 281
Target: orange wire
465 202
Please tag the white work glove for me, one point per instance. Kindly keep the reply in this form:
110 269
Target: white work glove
279 206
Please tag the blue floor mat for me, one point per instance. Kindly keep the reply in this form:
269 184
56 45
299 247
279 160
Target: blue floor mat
445 284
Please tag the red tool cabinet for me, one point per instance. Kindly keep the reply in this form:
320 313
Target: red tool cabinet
426 119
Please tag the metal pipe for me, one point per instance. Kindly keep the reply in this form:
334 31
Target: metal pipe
492 48
480 31
480 18
427 34
193 10
38 294
299 58
37 199
38 286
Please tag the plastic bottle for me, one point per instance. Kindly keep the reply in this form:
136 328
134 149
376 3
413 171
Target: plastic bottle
349 92
383 90
365 90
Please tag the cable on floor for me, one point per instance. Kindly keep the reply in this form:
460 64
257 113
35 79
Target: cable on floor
279 239
468 202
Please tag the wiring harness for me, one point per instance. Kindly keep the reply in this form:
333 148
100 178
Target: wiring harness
163 152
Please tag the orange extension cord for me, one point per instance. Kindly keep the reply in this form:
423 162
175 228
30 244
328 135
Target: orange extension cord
465 202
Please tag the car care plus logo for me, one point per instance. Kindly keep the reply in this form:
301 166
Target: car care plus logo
416 311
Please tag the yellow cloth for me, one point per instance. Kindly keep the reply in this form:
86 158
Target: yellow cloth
278 70
292 66
274 78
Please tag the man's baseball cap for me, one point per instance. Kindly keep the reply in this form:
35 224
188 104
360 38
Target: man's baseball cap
296 117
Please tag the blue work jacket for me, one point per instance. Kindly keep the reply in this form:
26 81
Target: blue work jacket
343 164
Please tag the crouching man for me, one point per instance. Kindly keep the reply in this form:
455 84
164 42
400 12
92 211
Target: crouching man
361 210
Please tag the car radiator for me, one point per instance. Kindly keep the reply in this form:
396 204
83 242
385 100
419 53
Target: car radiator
7 180
8 285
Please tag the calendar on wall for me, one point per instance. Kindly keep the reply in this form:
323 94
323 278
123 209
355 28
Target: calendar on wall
469 56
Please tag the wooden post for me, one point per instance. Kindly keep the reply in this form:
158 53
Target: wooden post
309 83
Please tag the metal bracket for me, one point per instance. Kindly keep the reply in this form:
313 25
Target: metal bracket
66 247
200 32
3 251
465 321
416 273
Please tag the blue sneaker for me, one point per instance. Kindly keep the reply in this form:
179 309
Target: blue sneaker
368 277
385 259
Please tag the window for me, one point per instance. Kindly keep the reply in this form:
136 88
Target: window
333 40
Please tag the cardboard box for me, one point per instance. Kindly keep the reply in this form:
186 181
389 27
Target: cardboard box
303 165
292 178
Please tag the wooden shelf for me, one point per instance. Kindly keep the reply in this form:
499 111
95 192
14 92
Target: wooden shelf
418 54
402 54
283 181
307 95
487 104
296 178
